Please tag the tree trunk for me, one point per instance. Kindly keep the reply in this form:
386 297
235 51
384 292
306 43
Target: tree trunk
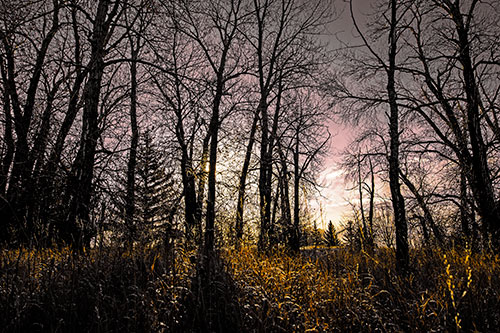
295 239
202 184
132 159
371 240
8 138
242 182
361 208
5 209
274 235
286 213
402 250
423 205
76 229
464 211
266 164
214 133
265 169
189 187
481 178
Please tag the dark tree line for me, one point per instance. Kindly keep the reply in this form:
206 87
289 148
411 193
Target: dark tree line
94 92
234 95
440 104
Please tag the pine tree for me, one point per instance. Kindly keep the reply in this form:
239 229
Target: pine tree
330 237
316 235
154 193
155 198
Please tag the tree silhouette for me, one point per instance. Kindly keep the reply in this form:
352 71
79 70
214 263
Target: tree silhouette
330 237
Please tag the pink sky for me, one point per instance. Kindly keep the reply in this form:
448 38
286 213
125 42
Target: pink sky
331 180
333 188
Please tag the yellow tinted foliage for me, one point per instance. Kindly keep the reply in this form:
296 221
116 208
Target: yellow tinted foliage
360 291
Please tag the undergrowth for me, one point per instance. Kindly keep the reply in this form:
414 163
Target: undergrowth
343 291
335 290
97 291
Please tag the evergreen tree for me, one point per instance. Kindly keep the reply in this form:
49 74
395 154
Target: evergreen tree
330 238
155 200
316 235
155 197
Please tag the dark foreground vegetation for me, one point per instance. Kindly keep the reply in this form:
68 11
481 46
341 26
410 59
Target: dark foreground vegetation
105 290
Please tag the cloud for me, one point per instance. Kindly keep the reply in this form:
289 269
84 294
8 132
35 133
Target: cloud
333 195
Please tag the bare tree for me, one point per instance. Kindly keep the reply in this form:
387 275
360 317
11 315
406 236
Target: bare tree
79 185
136 43
282 48
467 113
360 171
20 97
214 31
374 62
307 141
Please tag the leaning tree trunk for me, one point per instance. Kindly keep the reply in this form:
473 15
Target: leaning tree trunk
361 207
242 182
214 137
423 205
371 240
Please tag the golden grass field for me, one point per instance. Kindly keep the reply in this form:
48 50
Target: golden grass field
329 290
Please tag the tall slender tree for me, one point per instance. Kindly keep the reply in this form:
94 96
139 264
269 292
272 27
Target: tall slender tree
75 228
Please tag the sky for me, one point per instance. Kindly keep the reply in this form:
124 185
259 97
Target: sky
333 201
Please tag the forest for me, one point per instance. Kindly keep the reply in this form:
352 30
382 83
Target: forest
160 163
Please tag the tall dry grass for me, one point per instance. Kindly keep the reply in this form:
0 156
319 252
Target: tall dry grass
341 291
158 290
98 291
